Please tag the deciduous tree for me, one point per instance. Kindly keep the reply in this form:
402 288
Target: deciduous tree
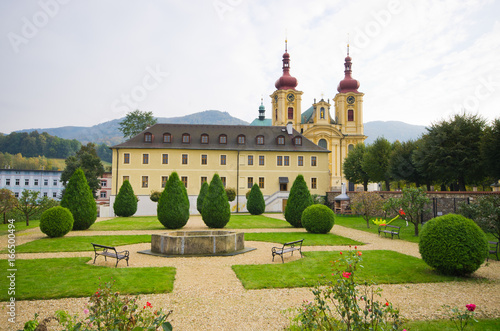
490 150
7 202
30 203
485 212
411 206
136 122
376 161
353 166
368 205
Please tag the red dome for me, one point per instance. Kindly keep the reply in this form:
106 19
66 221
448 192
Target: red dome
286 82
348 84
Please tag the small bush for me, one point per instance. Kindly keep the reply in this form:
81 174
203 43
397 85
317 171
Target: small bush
453 245
231 194
125 204
298 200
255 203
216 211
318 219
155 196
56 222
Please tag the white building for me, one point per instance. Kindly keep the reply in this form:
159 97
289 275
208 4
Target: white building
47 182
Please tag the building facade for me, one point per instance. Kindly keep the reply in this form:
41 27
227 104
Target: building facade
337 129
270 156
47 182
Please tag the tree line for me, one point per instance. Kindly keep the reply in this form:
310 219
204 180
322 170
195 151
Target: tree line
453 154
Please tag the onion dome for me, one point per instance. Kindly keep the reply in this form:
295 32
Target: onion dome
262 110
348 84
286 82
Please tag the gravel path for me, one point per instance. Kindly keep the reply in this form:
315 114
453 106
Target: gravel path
207 295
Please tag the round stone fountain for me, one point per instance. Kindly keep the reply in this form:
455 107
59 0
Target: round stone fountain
196 243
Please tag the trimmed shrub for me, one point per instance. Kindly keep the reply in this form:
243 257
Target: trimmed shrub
155 196
318 219
453 245
255 203
216 211
56 221
201 196
78 198
298 200
231 194
173 206
125 204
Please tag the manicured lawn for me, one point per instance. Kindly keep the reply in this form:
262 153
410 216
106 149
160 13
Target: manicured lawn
248 221
78 244
447 325
310 239
382 267
72 277
20 226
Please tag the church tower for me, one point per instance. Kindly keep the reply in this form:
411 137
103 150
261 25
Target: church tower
286 100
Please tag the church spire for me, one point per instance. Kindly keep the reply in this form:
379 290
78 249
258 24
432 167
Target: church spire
348 84
286 81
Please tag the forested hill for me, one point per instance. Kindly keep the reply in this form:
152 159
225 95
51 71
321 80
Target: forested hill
35 144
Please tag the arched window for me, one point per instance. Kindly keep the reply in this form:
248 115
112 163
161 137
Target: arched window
167 138
290 113
280 140
322 143
186 138
260 140
204 138
350 147
350 115
241 139
322 112
222 139
148 137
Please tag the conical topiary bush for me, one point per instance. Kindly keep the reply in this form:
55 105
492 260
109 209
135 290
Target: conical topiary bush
216 211
173 206
298 200
125 204
78 198
255 203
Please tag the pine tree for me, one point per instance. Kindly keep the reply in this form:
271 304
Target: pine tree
78 198
201 196
216 211
298 200
255 203
125 204
173 206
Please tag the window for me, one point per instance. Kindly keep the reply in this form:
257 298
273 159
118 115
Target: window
281 140
126 158
18 181
54 194
250 182
184 159
223 179
186 138
322 112
45 194
313 183
145 158
286 160
261 182
250 159
16 194
297 141
167 138
203 159
279 160
350 115
323 143
261 160
184 180
26 182
222 139
241 139
144 181
104 183
36 182
164 181
45 182
204 138
54 183
260 140
148 137
350 147
103 194
7 181
300 161
126 178
313 161
164 158
222 160
203 180
290 113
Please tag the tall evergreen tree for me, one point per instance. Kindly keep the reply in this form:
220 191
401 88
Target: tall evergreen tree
201 196
490 150
173 206
255 203
298 200
79 200
125 204
216 211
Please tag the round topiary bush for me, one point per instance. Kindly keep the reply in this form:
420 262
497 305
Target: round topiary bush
318 219
56 221
453 245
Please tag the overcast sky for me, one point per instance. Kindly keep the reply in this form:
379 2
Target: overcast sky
81 62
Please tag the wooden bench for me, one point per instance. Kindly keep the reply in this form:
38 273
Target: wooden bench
288 247
108 251
389 229
493 249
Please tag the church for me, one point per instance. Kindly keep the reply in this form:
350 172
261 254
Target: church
337 130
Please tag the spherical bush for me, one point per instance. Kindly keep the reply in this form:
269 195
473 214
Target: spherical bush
453 245
318 219
56 221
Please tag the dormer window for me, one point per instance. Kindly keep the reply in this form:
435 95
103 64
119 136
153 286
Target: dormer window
260 140
222 139
280 140
297 141
186 138
148 137
167 138
204 138
241 139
